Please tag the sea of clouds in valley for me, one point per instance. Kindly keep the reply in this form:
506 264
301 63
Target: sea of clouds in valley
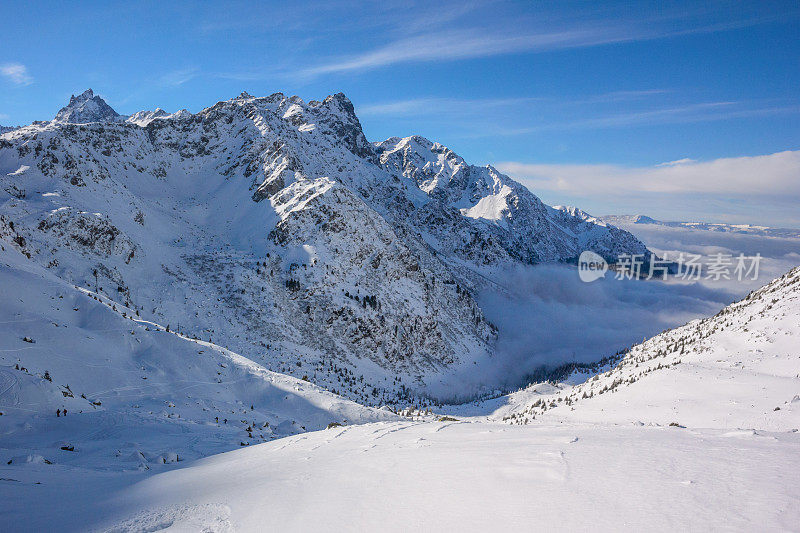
548 316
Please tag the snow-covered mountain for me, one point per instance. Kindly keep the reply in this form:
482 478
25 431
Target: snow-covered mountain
273 227
74 365
482 215
191 303
143 118
85 108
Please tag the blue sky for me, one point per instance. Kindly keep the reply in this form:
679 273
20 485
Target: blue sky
563 95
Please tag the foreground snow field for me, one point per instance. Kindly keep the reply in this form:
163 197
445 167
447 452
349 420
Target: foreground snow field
455 476
697 428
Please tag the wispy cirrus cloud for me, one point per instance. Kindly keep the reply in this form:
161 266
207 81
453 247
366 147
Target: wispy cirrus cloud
699 112
386 34
681 114
465 44
437 105
487 117
425 105
408 43
178 77
16 73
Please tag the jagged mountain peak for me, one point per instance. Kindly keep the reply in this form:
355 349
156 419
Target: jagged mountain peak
439 171
514 215
580 214
84 108
341 102
88 94
415 142
430 158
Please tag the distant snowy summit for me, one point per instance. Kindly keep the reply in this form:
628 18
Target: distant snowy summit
84 108
273 224
746 229
143 118
88 107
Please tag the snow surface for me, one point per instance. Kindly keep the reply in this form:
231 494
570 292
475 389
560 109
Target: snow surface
739 369
677 435
137 396
458 477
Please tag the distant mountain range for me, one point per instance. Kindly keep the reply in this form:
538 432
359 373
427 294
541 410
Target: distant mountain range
746 229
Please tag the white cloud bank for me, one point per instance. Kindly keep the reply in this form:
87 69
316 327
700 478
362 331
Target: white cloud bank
16 73
763 175
761 189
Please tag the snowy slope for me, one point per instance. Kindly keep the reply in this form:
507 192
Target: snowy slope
267 234
478 477
685 428
444 476
136 395
676 436
738 369
272 225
